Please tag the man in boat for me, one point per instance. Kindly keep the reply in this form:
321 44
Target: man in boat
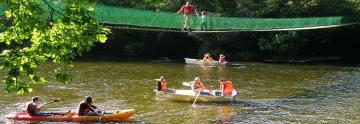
34 108
188 10
226 87
199 87
207 57
161 86
86 108
222 59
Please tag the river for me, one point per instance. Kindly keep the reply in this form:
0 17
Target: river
268 93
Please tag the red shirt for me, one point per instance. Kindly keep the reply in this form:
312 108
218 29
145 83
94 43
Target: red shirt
188 10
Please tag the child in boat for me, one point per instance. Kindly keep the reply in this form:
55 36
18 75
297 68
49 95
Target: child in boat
204 21
162 86
198 86
207 57
226 87
222 59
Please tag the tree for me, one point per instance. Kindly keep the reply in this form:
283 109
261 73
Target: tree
34 36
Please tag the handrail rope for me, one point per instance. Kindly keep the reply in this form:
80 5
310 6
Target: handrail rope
228 31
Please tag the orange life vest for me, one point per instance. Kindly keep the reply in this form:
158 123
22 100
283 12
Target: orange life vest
199 86
163 85
227 87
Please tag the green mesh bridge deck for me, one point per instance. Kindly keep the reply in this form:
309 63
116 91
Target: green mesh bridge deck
152 20
127 18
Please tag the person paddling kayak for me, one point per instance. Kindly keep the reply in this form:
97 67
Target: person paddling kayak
34 108
86 108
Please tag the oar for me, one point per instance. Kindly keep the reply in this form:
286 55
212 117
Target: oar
197 96
186 84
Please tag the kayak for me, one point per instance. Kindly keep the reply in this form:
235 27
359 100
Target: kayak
190 95
120 115
213 63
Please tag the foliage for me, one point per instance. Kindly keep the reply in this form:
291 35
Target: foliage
245 45
283 44
33 37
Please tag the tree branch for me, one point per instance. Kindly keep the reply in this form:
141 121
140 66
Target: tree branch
52 8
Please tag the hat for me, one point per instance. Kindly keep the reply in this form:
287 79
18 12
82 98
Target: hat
222 79
161 77
196 78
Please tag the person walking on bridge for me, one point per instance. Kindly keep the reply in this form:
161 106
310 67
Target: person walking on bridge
188 10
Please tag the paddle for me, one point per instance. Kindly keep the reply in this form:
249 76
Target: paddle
186 84
197 96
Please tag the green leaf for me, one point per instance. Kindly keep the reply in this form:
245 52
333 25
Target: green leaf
42 80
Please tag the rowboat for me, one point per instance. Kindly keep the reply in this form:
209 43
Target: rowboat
190 95
202 62
120 115
212 63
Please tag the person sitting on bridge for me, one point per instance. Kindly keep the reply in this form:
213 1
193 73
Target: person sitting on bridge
188 10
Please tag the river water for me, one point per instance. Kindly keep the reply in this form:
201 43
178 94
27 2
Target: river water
268 93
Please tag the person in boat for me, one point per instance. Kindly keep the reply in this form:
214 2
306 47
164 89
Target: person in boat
188 11
162 86
34 108
222 59
207 57
86 108
199 87
226 87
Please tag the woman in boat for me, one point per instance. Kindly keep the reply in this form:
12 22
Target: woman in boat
226 87
222 59
162 86
207 57
198 86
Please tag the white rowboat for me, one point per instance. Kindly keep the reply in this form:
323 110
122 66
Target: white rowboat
190 95
202 62
213 63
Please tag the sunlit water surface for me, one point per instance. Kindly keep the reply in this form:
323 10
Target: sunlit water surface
268 93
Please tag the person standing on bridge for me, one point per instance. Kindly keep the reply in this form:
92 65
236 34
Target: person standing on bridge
188 10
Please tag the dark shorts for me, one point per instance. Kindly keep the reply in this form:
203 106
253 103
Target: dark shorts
91 114
205 94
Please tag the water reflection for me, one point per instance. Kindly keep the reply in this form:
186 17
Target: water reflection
225 114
